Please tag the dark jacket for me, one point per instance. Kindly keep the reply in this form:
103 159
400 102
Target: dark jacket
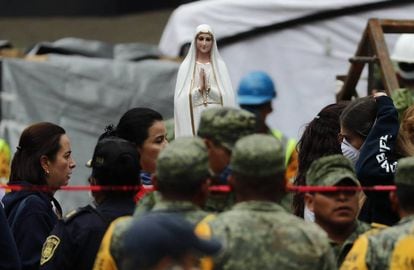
75 240
31 218
9 258
377 163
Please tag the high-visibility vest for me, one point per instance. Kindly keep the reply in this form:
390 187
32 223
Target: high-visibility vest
4 160
289 144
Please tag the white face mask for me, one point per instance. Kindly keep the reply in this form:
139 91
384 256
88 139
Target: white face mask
349 151
308 215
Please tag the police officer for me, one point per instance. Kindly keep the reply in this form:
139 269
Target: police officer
257 232
221 128
390 248
9 256
75 240
181 180
336 212
255 94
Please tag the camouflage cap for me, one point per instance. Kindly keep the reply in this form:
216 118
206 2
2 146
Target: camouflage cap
405 172
258 155
183 160
226 125
330 170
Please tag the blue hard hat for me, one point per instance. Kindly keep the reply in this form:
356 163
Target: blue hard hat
256 88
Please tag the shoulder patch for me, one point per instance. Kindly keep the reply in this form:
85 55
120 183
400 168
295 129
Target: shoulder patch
74 213
70 214
49 247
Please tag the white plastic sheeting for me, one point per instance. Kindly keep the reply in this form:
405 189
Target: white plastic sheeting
303 60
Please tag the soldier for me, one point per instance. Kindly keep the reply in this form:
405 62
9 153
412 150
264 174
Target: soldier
182 182
257 233
336 212
391 248
163 241
221 128
75 240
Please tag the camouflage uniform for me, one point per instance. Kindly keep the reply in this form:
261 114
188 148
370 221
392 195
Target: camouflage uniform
183 161
224 126
390 248
261 234
147 202
341 250
188 210
329 171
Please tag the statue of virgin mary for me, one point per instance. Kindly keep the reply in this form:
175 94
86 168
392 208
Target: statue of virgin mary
202 82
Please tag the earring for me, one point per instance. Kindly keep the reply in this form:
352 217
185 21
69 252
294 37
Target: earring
47 172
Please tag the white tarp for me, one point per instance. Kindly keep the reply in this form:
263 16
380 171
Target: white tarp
83 95
303 60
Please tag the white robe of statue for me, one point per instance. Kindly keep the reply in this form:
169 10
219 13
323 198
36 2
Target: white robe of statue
189 99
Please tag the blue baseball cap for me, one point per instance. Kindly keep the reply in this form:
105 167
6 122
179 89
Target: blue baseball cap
157 235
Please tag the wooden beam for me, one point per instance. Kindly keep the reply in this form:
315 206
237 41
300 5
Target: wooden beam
397 26
354 73
380 49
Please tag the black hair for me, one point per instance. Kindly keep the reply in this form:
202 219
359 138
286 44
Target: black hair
359 116
37 140
134 124
320 138
122 169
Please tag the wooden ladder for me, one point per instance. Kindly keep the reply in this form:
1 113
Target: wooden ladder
372 50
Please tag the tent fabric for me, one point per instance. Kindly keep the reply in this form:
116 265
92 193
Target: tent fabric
96 49
228 17
83 95
303 60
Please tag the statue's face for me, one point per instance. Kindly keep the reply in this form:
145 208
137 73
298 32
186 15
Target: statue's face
204 42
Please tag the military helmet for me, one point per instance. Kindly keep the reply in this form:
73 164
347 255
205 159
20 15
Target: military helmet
256 88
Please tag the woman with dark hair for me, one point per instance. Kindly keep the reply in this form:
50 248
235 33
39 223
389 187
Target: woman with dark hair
369 130
144 127
114 163
43 158
320 138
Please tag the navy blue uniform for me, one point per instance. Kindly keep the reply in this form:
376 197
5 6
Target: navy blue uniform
31 217
75 240
377 163
9 258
